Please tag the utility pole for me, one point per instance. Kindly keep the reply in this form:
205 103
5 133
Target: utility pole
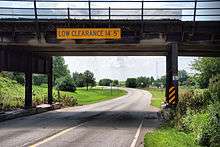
157 70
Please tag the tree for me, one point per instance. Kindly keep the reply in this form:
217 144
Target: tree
59 68
207 68
105 82
19 77
131 82
183 77
143 82
78 79
193 80
66 84
88 78
39 79
151 80
115 83
157 83
163 80
75 76
93 84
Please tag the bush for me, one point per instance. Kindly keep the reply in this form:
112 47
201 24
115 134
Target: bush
143 82
39 79
131 82
214 110
214 87
105 82
68 100
196 123
184 102
66 84
195 100
198 112
18 77
203 125
115 83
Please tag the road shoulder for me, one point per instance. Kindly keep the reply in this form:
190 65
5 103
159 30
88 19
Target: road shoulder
151 122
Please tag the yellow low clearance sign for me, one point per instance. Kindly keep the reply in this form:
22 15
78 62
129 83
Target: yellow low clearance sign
88 33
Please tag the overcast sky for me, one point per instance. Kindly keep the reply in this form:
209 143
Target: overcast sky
124 67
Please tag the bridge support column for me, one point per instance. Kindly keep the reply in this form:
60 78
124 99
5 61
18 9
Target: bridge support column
28 84
1 59
172 74
50 80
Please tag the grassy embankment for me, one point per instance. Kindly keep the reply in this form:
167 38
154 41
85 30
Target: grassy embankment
96 95
157 96
168 137
12 95
165 136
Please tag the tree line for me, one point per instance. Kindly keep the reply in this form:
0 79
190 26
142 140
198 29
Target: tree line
206 68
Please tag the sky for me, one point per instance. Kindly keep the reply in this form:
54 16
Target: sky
123 67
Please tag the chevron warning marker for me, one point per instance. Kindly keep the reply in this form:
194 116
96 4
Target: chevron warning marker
172 99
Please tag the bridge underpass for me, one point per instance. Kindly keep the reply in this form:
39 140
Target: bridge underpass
29 40
28 44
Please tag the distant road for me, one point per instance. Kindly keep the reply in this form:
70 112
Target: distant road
113 123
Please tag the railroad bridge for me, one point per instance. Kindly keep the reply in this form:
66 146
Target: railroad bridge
28 41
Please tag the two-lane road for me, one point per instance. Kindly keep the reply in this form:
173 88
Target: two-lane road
113 123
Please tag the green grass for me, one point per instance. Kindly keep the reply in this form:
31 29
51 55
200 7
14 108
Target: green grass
12 94
168 137
96 95
158 96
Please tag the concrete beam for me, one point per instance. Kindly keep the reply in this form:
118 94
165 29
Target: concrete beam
16 60
193 49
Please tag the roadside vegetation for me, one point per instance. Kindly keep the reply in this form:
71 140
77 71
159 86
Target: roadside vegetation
12 95
96 95
69 90
168 137
196 119
158 95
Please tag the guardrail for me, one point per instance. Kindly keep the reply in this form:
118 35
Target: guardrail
140 13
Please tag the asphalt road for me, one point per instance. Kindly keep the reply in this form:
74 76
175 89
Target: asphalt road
120 122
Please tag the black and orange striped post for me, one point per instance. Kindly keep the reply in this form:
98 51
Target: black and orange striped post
172 74
172 95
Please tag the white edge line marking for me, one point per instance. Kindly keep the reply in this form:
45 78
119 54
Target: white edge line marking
55 136
136 135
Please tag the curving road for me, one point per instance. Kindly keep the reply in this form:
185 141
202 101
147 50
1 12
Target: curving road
119 122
